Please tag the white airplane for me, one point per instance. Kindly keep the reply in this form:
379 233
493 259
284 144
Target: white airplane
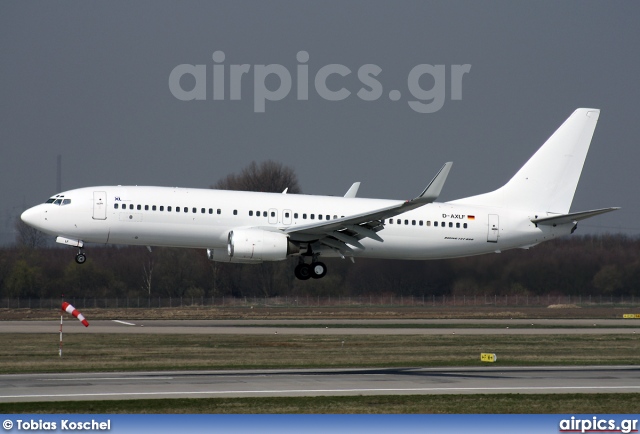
250 227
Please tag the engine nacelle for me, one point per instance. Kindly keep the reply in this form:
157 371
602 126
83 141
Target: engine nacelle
254 246
222 255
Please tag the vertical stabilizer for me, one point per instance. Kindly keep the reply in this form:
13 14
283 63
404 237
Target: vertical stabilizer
548 181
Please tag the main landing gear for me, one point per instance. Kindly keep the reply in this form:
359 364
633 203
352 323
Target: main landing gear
316 270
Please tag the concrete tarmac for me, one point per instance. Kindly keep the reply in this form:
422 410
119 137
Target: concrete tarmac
333 327
317 382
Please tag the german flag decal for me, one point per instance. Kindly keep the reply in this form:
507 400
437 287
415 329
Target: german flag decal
471 217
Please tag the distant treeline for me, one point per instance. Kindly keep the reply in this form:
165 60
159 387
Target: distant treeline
606 265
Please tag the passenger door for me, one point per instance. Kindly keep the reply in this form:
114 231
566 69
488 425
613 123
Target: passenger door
99 205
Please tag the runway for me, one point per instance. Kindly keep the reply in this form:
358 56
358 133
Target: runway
320 382
334 327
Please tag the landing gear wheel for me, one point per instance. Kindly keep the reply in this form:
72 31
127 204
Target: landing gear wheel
303 271
81 258
318 270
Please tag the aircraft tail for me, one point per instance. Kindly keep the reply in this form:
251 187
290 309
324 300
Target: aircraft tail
548 181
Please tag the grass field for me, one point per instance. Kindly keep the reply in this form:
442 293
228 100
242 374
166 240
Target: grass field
414 404
332 312
103 352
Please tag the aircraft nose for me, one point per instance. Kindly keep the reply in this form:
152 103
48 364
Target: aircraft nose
32 217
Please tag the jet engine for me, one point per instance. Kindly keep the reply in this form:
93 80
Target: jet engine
254 246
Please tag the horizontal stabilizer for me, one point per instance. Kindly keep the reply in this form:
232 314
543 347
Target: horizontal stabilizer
571 217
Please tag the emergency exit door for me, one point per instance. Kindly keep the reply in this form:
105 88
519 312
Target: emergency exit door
494 228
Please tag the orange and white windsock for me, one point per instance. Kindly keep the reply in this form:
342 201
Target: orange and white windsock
73 311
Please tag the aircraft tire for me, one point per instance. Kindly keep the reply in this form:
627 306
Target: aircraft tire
318 270
81 258
303 271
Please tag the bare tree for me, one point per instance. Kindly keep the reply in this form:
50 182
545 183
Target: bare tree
268 176
147 272
28 237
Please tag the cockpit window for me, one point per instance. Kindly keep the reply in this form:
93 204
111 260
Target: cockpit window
59 200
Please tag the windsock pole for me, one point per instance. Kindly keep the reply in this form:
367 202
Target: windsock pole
61 316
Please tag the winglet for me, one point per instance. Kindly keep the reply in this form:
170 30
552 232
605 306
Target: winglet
434 188
353 190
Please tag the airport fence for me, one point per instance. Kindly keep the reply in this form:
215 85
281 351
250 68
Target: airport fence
410 301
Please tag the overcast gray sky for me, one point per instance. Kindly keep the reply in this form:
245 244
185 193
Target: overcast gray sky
90 81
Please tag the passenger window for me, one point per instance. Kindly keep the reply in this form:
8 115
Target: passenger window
286 214
295 215
398 221
413 222
250 213
406 222
146 207
464 225
435 224
177 209
210 210
420 222
319 216
335 217
202 210
235 212
169 209
162 208
390 221
428 222
185 209
219 211
273 214
140 207
304 216
328 217
458 225
450 224
194 210
313 216
115 206
131 206
153 208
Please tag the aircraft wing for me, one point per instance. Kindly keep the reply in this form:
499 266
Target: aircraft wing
571 217
344 232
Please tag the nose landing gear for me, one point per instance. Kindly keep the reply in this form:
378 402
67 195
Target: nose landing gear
81 257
